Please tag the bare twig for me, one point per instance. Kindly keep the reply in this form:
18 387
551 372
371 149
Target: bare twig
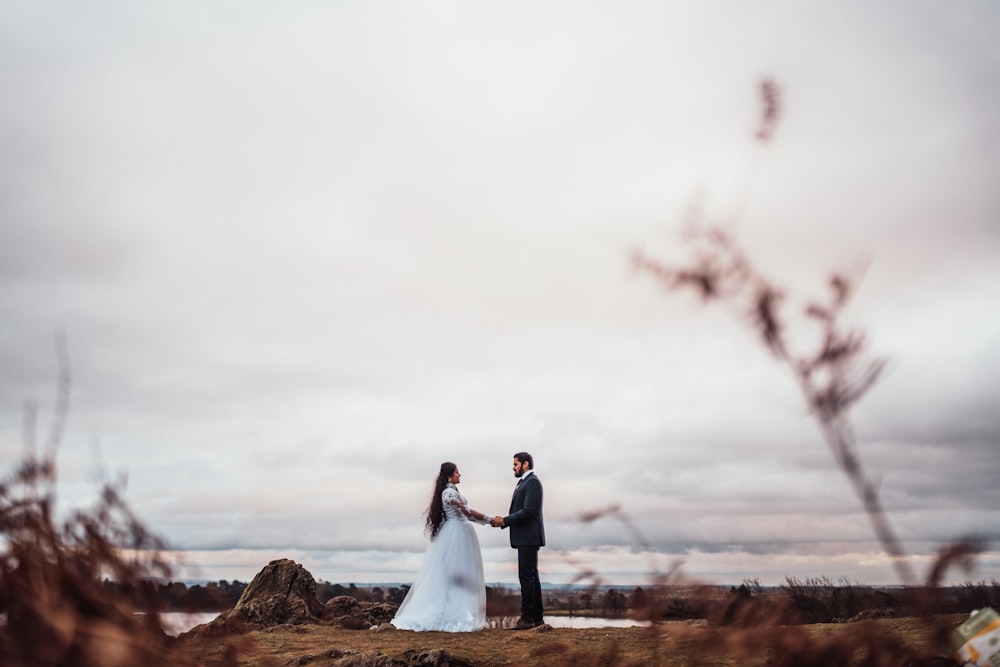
832 379
58 608
61 412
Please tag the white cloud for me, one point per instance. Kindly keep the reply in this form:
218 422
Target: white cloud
303 256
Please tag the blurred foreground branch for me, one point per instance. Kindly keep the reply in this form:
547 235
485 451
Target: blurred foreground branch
59 611
832 378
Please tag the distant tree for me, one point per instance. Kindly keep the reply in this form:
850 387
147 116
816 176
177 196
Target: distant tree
326 591
501 601
639 599
397 595
613 603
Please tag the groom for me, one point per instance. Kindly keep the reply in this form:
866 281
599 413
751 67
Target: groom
527 535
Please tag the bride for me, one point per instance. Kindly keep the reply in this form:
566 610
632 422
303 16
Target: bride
449 593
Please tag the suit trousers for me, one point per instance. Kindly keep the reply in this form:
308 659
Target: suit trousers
531 585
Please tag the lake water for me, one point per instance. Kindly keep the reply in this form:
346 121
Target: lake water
177 622
592 622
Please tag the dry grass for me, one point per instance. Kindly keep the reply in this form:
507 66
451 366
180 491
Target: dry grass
57 609
895 642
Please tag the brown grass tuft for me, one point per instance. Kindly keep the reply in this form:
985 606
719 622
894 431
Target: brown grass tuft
59 611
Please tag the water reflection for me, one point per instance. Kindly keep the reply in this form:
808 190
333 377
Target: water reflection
573 622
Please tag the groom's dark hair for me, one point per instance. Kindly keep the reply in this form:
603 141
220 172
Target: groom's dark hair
525 457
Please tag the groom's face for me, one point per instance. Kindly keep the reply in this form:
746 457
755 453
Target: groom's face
520 467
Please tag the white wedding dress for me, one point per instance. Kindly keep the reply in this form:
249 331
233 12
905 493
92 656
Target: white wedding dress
449 593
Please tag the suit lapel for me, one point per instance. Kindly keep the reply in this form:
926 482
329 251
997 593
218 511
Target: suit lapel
513 496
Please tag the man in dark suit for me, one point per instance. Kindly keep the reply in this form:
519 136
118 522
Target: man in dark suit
527 535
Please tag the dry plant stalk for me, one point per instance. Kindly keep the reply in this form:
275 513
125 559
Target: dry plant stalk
58 610
833 377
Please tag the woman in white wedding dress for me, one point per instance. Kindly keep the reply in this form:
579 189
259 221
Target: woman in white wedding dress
449 593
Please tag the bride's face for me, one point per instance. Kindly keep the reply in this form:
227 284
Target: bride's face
455 477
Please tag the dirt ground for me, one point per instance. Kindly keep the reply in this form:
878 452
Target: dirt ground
682 644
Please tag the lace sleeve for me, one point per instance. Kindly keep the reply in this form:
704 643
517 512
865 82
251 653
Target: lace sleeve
452 497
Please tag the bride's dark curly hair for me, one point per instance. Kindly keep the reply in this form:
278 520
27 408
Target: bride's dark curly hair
435 513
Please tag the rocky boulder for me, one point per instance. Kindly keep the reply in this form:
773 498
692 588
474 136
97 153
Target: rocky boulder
349 613
284 593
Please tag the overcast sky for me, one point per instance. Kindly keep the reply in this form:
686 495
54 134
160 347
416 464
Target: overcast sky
302 254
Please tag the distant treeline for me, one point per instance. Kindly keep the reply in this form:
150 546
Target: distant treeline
811 600
223 595
178 596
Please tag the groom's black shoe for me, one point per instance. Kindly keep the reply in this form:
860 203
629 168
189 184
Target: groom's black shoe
524 624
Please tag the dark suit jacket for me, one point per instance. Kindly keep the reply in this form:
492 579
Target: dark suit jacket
525 519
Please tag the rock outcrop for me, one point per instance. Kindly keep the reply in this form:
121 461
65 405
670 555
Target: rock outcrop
347 612
284 593
410 658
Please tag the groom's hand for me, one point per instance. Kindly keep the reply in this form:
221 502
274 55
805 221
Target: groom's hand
497 522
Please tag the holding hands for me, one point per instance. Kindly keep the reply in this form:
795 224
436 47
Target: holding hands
497 522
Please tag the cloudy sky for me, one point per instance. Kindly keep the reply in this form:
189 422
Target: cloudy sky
302 254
